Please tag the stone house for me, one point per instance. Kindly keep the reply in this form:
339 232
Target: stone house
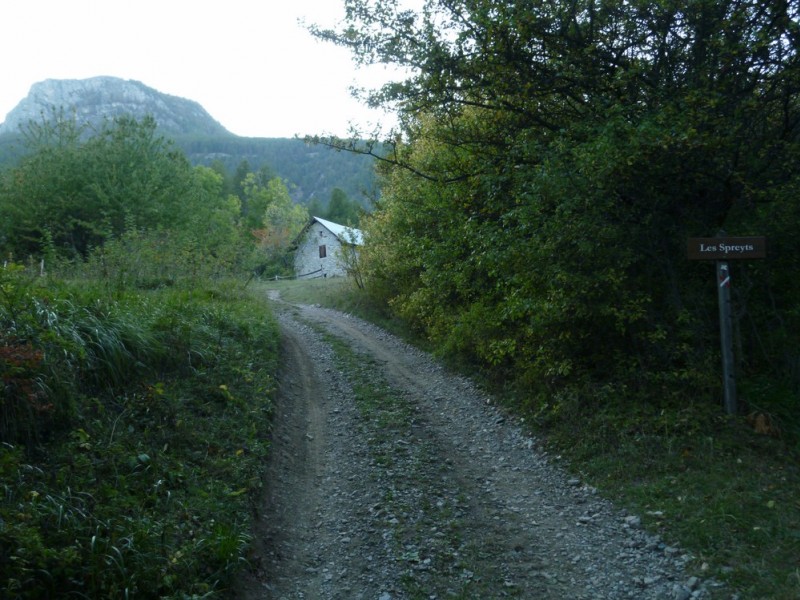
321 247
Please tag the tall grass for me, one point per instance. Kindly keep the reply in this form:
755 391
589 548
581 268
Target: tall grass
132 436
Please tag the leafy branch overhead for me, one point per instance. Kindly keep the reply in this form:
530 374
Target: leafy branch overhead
557 68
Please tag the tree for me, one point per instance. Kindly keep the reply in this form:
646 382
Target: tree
315 208
123 199
342 209
553 157
242 171
214 219
282 220
83 189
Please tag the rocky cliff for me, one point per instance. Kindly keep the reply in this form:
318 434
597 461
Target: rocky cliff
97 98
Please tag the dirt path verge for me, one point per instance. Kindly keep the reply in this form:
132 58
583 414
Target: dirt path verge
391 478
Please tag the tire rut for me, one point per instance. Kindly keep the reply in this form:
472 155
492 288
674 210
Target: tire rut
295 463
456 503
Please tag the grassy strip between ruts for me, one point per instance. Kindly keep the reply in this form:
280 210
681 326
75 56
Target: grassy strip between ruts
712 484
136 473
423 523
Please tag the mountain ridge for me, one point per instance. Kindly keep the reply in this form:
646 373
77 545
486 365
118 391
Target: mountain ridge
104 97
311 172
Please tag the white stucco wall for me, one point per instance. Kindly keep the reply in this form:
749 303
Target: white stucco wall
307 259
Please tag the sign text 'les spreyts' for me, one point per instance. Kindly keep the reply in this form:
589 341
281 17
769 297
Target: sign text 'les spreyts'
726 248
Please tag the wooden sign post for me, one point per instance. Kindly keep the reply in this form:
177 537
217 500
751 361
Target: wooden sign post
722 249
726 335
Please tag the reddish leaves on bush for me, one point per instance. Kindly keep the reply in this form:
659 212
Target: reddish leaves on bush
20 365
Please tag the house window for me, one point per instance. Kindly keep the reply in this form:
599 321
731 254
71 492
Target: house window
323 251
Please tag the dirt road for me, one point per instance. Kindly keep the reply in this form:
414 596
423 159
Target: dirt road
391 479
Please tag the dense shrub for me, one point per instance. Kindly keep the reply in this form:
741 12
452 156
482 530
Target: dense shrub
553 161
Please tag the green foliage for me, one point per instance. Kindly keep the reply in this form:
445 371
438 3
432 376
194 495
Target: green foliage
84 190
275 221
210 246
554 159
124 201
342 209
269 202
132 434
135 399
310 171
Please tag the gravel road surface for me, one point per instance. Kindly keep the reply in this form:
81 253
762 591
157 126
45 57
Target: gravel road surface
391 478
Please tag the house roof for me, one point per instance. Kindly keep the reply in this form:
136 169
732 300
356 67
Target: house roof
345 234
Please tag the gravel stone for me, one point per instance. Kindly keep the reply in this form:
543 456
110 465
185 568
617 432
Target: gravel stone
457 501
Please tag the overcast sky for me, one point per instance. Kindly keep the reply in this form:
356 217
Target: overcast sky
249 63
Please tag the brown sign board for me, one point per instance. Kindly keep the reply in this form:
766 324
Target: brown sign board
727 248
